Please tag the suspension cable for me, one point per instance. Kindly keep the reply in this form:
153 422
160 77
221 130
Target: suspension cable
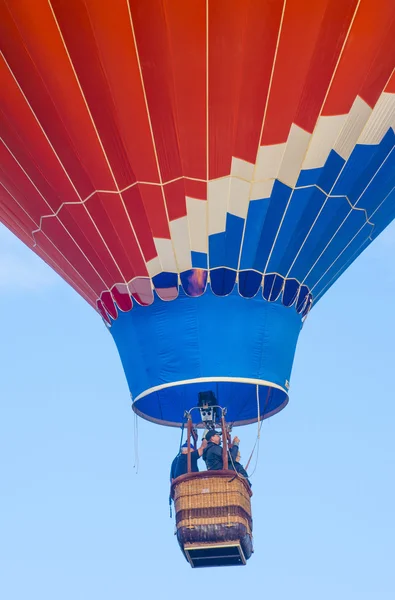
260 423
136 443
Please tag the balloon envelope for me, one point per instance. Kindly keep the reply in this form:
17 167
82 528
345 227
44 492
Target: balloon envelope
201 173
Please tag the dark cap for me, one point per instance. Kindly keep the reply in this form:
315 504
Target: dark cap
186 446
212 433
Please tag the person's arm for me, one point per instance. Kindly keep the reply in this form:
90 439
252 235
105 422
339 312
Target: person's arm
201 448
233 452
235 448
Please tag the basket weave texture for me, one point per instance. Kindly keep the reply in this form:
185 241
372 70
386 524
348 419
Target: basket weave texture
206 500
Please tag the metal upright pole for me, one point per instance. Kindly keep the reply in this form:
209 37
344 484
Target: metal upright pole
224 444
189 431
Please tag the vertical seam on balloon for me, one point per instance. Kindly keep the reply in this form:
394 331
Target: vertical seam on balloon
207 143
311 135
343 268
262 126
176 129
356 252
342 223
152 137
50 262
51 242
62 167
46 202
352 257
328 197
343 167
104 154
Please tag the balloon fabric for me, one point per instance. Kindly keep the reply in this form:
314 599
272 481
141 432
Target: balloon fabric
201 173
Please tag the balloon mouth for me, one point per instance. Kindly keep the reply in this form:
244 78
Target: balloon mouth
246 400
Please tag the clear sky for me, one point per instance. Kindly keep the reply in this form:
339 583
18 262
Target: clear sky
78 523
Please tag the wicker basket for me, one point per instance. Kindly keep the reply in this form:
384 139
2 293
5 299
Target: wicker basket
213 508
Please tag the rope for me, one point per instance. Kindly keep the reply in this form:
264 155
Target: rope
259 429
259 411
237 474
178 458
136 443
260 423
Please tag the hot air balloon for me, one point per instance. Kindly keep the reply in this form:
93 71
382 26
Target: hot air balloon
201 173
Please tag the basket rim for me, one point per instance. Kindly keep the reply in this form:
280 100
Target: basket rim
222 474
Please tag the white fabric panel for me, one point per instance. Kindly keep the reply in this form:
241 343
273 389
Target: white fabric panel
239 197
166 256
382 118
197 221
355 122
218 196
182 246
153 267
268 161
242 168
295 151
323 139
262 189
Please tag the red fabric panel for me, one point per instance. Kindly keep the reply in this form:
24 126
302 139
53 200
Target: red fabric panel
20 192
311 38
154 205
196 189
390 87
171 43
105 40
368 58
35 52
27 143
99 99
136 209
54 231
175 199
242 42
14 217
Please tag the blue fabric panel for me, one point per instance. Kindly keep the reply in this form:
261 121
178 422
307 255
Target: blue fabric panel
384 214
325 176
272 286
333 213
278 202
291 289
354 248
168 405
303 209
199 260
249 283
380 187
328 281
165 280
222 281
224 248
189 283
208 336
337 250
361 167
304 292
254 224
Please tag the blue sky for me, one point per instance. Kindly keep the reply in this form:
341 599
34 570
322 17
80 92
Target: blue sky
77 521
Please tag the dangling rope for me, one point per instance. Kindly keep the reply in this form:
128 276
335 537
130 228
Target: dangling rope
260 423
178 458
136 443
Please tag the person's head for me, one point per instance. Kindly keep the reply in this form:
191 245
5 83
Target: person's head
213 436
184 448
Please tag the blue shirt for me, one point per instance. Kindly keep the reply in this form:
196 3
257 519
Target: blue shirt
179 466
